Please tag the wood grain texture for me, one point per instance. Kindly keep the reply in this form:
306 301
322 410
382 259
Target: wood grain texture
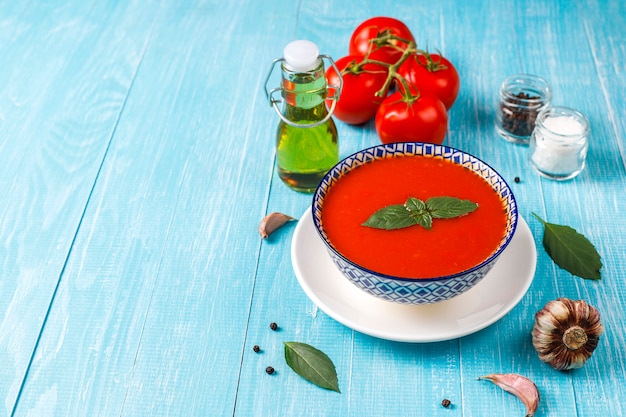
136 161
155 266
63 87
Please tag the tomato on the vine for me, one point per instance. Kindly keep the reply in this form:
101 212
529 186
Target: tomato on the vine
358 101
432 74
360 41
424 119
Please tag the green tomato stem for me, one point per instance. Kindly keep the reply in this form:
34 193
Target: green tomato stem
384 39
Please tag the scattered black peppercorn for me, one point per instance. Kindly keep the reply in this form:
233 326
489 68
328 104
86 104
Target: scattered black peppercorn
256 348
273 326
446 403
516 179
269 370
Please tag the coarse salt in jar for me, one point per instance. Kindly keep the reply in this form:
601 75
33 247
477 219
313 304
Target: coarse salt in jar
521 98
559 143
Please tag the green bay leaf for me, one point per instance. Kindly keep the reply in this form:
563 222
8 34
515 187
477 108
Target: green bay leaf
395 216
312 364
571 250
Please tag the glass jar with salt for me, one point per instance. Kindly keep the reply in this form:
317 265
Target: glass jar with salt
559 143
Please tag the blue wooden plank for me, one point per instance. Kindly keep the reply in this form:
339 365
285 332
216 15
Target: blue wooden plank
159 284
601 214
67 83
225 195
55 131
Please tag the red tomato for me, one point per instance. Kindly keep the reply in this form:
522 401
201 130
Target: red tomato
370 29
432 74
424 120
358 101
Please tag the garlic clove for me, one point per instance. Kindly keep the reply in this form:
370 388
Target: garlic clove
566 333
520 386
272 222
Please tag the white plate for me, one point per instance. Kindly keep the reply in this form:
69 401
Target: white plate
492 298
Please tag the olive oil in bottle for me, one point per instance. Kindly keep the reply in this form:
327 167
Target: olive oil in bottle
306 138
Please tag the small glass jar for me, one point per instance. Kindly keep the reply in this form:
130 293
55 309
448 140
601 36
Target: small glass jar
559 143
522 97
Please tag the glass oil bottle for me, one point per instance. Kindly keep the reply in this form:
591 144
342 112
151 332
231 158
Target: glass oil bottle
306 138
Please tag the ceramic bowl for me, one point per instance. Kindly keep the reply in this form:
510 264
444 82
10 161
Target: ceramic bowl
414 290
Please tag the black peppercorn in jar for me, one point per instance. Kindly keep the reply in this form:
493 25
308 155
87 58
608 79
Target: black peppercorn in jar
521 99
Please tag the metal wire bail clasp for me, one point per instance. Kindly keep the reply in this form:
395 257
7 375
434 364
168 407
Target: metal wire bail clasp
334 96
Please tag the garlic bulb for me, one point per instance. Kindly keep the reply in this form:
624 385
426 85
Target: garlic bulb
566 332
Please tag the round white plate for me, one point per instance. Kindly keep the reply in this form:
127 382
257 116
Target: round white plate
493 297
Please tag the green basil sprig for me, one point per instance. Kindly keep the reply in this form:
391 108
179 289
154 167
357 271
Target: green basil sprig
312 364
415 211
571 250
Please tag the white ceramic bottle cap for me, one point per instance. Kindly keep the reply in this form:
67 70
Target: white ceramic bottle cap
301 55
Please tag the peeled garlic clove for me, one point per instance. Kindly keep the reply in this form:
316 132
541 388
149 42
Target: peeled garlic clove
272 222
566 333
520 386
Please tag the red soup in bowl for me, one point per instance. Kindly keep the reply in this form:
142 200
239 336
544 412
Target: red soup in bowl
414 264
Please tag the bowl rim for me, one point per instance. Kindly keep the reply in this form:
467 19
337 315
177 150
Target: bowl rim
317 196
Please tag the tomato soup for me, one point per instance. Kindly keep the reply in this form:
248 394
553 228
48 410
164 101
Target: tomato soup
450 246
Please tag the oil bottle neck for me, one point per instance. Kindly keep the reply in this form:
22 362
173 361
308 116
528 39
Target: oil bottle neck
304 90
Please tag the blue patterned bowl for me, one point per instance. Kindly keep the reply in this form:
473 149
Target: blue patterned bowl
414 290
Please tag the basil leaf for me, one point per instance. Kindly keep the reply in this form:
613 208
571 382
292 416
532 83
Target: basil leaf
391 217
415 211
312 364
571 250
418 212
449 207
415 204
425 219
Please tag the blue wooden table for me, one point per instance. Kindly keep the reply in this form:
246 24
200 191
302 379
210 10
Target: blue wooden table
137 159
